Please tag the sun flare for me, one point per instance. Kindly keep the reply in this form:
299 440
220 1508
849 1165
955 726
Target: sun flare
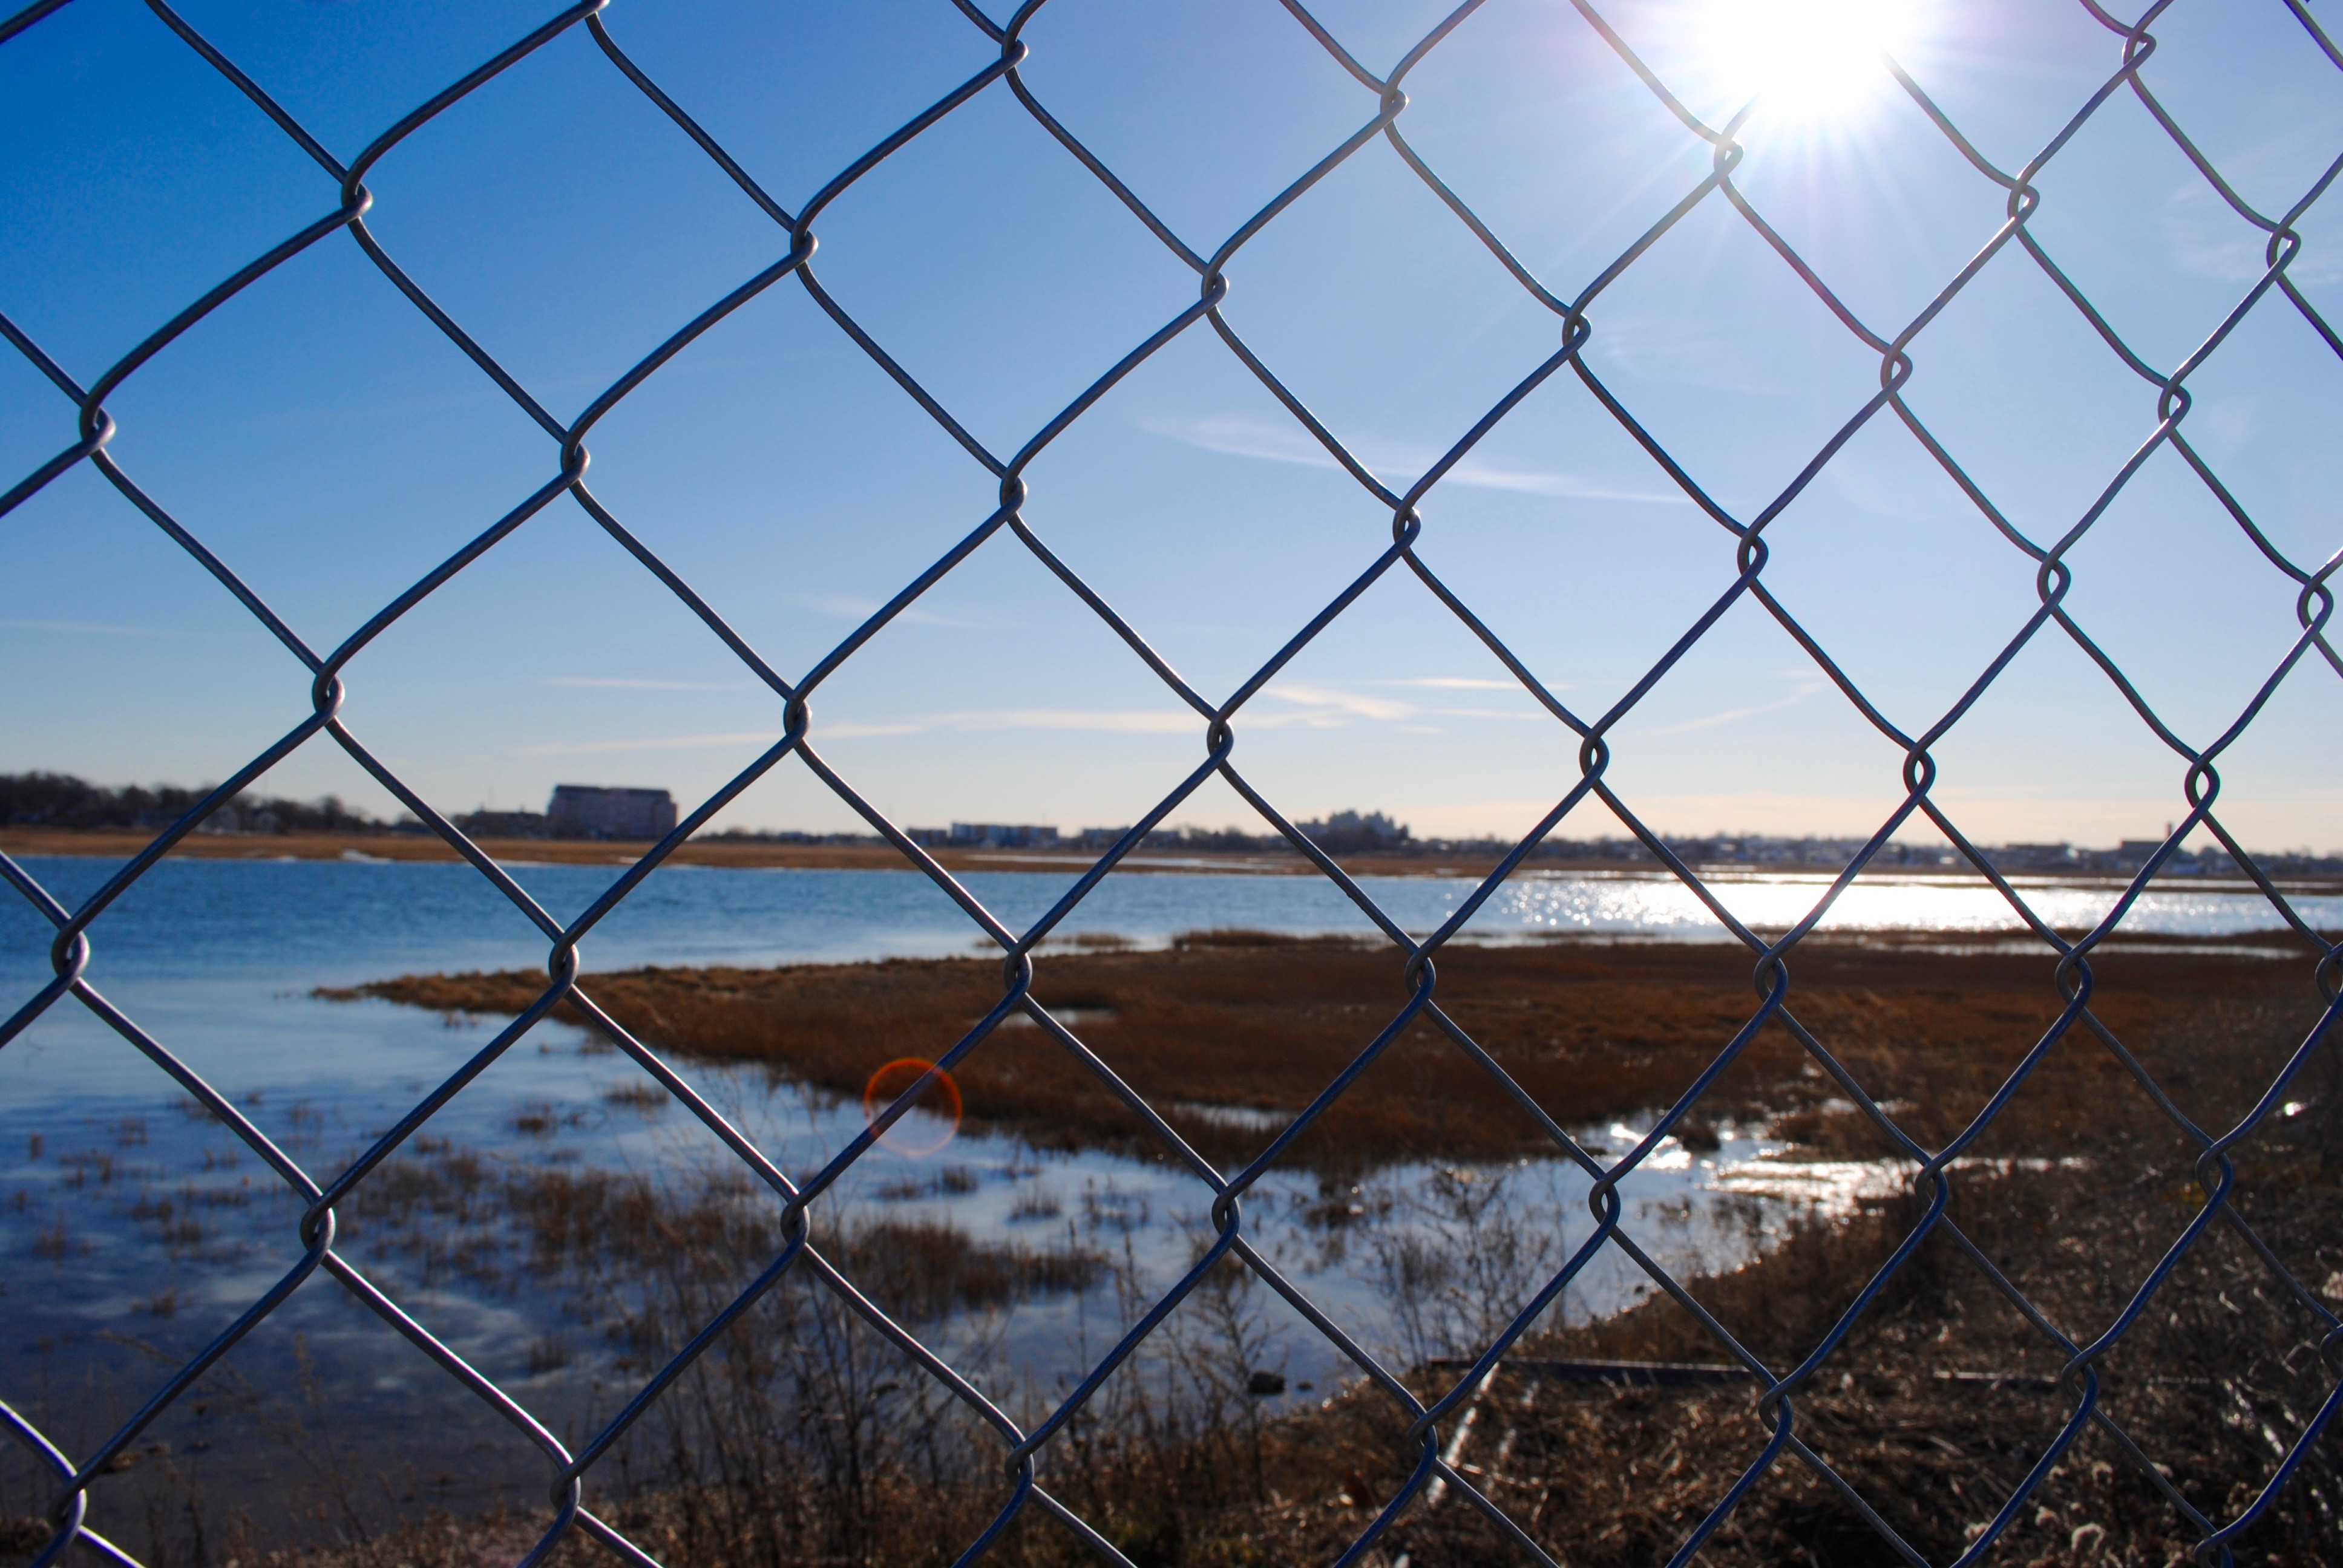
934 1117
1803 60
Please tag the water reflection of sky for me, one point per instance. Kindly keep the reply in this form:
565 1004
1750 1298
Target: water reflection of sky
151 1205
99 1178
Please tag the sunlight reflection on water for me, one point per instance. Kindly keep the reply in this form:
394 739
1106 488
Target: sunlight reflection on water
1644 905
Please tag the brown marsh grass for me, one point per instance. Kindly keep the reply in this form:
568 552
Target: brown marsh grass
1592 1032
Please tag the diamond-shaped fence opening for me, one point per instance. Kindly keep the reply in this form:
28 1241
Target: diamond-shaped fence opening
2185 1377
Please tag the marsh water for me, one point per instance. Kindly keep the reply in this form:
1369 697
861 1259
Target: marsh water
134 1227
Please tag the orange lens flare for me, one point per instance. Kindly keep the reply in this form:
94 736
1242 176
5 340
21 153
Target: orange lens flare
932 1119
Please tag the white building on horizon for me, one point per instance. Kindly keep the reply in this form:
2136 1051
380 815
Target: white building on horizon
591 811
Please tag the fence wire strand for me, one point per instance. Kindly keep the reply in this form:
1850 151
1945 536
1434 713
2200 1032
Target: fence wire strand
2132 48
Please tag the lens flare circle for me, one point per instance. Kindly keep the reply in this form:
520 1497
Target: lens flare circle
932 1119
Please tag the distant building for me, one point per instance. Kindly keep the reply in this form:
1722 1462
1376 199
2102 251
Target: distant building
1343 832
586 811
1002 836
2132 854
985 836
487 824
2033 857
1178 840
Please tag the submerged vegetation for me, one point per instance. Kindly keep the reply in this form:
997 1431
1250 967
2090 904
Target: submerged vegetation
595 1234
804 1436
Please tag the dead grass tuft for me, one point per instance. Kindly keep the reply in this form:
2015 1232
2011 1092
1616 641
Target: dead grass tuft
456 1213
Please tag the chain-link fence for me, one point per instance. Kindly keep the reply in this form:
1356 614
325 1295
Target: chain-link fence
1434 1423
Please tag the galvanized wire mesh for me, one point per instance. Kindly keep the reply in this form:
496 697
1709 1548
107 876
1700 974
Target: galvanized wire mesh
2131 49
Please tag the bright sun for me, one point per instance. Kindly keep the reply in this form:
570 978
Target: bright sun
1804 60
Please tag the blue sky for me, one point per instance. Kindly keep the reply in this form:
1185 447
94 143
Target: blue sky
332 445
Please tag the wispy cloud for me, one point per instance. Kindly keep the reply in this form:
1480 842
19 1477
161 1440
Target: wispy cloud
837 606
1315 703
1124 721
2208 238
1322 706
850 731
89 628
1507 714
1711 721
1676 352
627 683
1115 721
1242 436
651 743
1095 720
1283 705
855 607
1455 683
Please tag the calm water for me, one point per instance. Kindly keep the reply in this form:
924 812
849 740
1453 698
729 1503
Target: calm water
341 921
131 1231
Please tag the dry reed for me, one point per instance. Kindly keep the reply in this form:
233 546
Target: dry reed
1590 1032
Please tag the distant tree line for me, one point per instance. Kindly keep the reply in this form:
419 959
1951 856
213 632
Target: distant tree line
62 801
